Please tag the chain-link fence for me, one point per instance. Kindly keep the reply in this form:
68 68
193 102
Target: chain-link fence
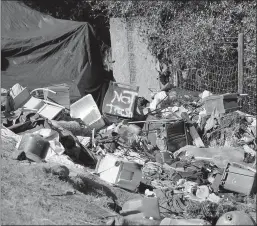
215 78
219 77
249 87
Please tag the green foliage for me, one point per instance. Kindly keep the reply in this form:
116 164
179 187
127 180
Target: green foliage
181 34
186 34
77 10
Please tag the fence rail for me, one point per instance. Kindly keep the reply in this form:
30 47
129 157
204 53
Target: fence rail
249 87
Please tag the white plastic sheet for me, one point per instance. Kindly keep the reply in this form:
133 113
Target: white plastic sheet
159 97
6 134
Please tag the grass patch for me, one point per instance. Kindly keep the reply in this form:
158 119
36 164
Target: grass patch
32 195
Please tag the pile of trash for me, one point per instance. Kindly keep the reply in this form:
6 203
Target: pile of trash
193 159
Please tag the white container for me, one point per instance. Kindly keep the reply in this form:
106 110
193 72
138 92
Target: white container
34 103
87 110
20 95
124 174
50 111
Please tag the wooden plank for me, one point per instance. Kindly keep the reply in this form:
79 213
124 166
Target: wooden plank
194 134
120 100
196 138
240 62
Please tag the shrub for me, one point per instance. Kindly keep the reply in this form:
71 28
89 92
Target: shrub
181 34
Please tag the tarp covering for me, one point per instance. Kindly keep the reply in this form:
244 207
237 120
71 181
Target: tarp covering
39 50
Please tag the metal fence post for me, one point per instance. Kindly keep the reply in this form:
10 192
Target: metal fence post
240 62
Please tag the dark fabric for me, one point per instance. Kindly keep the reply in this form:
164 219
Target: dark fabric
27 122
78 153
169 202
39 50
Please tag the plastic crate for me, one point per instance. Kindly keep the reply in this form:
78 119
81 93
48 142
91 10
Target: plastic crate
87 110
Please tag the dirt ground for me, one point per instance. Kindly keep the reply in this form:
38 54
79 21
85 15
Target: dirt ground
32 195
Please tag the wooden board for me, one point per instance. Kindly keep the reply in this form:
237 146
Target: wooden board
196 138
192 130
133 62
120 100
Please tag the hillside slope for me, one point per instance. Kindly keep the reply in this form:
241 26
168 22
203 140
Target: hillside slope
31 194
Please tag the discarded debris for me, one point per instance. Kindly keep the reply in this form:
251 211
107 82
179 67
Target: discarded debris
235 218
171 151
121 173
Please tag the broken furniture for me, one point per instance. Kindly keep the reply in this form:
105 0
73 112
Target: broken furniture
151 128
61 94
44 108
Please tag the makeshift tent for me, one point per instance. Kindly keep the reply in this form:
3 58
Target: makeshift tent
39 50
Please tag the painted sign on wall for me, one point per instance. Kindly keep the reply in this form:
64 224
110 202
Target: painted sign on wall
120 100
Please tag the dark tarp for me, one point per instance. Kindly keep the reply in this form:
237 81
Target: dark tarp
39 50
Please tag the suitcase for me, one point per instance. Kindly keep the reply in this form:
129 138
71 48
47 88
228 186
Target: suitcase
238 180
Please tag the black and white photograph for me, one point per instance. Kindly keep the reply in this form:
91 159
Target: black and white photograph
128 112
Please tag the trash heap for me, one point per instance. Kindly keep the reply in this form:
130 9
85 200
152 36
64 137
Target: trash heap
192 158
